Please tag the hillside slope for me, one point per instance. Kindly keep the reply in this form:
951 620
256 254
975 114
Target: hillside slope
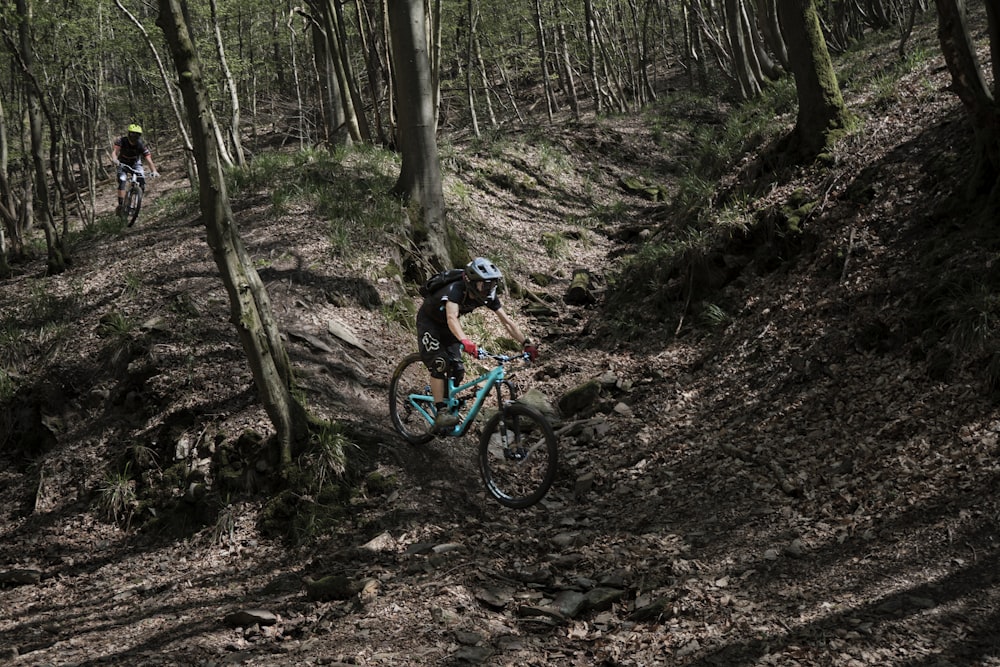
812 483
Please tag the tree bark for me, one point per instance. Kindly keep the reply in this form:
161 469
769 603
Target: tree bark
326 57
567 64
250 306
595 81
483 77
822 114
969 82
8 204
53 241
353 105
739 49
420 173
469 68
543 60
235 135
770 30
375 67
7 214
432 19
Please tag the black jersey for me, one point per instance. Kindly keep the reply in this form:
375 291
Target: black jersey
434 305
129 154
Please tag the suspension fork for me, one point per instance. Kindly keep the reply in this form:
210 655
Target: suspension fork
502 423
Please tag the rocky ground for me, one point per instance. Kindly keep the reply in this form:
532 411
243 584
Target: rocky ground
813 482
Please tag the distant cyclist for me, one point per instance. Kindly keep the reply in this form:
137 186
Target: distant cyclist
130 151
440 337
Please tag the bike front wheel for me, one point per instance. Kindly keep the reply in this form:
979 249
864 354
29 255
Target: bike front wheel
518 456
408 389
133 202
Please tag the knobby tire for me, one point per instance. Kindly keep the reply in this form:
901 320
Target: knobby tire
123 208
133 202
520 474
410 377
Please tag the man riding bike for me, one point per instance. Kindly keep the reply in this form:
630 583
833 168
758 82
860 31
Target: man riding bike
440 337
130 151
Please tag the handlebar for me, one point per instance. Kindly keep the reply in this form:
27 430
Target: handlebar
503 358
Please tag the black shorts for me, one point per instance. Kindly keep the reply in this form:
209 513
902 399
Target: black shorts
440 351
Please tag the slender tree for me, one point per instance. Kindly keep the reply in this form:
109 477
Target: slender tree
566 63
24 51
543 59
334 98
770 30
250 306
10 230
349 80
235 135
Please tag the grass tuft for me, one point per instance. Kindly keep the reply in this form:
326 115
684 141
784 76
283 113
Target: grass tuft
117 497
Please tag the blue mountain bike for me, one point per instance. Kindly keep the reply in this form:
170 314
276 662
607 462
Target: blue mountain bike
518 455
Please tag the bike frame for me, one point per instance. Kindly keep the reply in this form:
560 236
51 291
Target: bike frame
131 177
488 380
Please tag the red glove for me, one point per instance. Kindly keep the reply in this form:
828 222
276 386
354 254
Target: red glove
470 348
530 349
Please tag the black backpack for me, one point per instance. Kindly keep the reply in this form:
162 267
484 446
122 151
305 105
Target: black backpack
439 280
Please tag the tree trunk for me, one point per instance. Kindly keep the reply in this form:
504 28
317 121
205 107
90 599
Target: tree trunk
591 21
340 118
227 76
334 129
420 173
981 105
748 86
8 214
822 115
509 91
8 202
56 253
567 64
694 51
550 101
250 307
609 72
318 41
433 27
469 69
391 98
770 30
350 97
647 51
484 78
375 67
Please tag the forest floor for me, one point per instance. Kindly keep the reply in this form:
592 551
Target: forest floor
805 485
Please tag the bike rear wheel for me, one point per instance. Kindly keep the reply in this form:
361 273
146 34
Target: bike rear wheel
410 377
518 456
133 202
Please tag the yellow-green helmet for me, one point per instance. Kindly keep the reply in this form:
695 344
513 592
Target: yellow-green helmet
135 127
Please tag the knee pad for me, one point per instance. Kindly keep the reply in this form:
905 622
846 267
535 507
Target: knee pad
457 371
438 367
